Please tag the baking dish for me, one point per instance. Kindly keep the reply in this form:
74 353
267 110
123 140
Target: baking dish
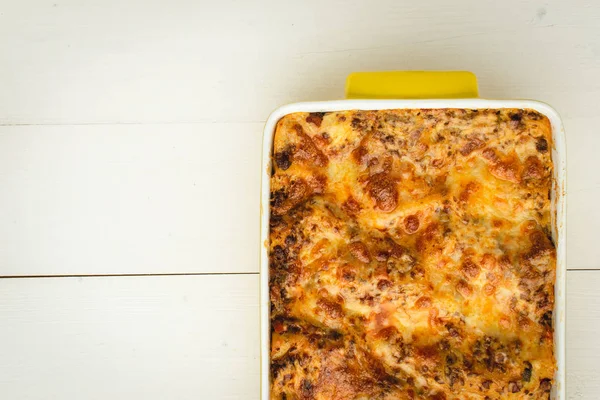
411 90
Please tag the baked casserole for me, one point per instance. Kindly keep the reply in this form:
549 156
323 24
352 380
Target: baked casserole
411 255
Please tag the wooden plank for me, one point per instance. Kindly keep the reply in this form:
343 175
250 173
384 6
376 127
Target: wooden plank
184 337
583 192
175 198
583 324
187 61
127 199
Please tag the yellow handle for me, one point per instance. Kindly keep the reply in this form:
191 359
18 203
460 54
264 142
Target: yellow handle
411 85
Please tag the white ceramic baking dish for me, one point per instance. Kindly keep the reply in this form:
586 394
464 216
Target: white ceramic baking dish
558 204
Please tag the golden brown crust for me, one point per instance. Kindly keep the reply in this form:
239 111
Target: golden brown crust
411 255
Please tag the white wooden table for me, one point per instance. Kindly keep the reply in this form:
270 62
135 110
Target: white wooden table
130 136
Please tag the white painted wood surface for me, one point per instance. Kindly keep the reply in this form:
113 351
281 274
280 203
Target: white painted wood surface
181 337
583 346
129 144
178 198
168 337
104 199
116 199
84 61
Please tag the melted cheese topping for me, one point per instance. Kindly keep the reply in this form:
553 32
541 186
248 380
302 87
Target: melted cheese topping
411 255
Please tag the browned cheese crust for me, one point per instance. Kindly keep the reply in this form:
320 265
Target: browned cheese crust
411 255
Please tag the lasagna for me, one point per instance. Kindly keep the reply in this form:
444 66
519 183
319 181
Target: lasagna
411 255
